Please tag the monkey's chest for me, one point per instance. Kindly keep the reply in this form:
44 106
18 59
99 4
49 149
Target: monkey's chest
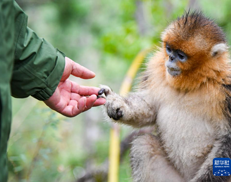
187 138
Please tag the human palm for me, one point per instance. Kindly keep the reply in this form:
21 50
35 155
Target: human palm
70 98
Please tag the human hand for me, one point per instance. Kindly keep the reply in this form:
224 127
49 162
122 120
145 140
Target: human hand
69 98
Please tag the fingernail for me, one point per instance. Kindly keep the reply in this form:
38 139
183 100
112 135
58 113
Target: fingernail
101 91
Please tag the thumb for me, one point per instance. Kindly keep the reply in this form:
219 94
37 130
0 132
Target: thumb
78 70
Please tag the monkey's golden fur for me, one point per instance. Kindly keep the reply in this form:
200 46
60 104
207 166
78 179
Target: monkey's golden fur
202 74
196 40
192 108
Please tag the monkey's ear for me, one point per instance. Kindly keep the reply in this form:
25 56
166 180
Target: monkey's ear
218 49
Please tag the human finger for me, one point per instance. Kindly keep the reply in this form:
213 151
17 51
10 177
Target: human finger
82 103
90 102
75 107
75 96
70 110
99 101
80 71
84 90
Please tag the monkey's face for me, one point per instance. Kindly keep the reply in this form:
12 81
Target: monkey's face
194 51
174 56
188 45
182 57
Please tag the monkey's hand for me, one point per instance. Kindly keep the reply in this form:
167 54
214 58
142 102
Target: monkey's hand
132 110
115 104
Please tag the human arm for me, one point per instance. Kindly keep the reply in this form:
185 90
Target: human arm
38 66
42 71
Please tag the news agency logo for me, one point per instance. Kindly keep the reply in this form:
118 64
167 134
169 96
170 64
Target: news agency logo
221 166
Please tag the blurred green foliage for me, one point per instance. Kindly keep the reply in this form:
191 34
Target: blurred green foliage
105 36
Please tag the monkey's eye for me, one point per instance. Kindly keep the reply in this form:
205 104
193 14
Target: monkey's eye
182 57
168 49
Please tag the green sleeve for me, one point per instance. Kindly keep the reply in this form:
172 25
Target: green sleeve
38 66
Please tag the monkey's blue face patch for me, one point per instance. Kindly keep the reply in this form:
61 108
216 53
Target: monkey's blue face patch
221 167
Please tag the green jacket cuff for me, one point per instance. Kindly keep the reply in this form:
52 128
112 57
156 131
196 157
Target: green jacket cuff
53 79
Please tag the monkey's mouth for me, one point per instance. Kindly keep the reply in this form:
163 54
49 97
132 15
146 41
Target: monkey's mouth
173 71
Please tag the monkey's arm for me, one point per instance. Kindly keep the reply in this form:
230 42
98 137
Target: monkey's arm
133 110
221 149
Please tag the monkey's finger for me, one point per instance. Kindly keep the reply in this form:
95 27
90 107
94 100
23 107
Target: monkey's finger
105 89
101 91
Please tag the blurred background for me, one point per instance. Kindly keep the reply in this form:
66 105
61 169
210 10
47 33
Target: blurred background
104 36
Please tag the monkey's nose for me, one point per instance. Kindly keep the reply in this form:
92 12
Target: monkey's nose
172 58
